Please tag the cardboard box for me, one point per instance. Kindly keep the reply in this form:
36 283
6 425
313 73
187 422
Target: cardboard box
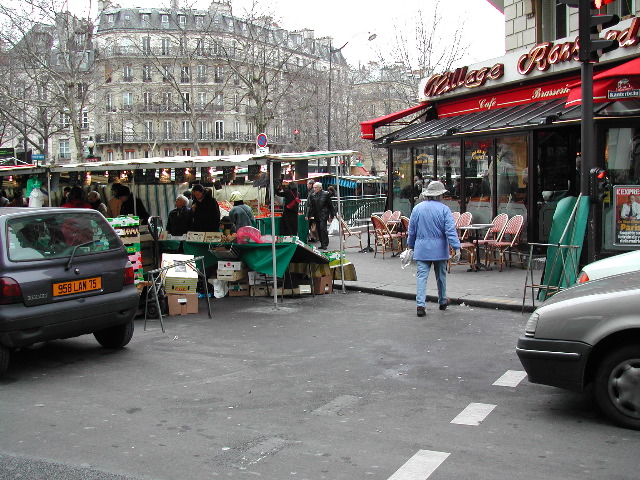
213 237
182 303
180 278
195 236
232 275
323 284
267 291
231 265
238 289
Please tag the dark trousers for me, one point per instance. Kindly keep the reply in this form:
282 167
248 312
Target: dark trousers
323 234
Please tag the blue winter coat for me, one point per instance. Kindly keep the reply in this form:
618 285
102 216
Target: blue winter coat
431 231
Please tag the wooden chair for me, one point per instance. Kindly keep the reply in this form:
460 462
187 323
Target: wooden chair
383 237
507 242
404 228
347 232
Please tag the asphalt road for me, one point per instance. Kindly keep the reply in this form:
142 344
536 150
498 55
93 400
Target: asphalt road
341 386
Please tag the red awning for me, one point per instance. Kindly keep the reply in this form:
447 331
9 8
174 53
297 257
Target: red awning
368 128
617 83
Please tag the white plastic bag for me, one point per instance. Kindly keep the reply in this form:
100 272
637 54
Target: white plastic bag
334 227
220 288
406 258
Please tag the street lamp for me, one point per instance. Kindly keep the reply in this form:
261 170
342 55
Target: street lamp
90 145
372 36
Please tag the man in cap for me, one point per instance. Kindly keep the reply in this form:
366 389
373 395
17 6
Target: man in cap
432 231
240 214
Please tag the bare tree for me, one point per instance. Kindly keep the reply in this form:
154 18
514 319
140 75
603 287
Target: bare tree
49 51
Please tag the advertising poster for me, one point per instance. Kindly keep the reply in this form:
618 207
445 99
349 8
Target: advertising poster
627 202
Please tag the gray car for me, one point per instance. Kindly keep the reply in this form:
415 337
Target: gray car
589 334
63 273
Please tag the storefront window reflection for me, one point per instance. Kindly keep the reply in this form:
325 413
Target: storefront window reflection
402 181
511 176
622 155
477 182
448 172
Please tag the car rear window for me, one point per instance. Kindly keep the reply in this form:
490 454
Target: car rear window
42 236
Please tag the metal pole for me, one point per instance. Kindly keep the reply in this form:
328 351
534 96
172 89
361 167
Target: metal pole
329 100
344 290
273 234
587 148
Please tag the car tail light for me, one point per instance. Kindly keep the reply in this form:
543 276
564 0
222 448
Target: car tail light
128 275
10 291
583 277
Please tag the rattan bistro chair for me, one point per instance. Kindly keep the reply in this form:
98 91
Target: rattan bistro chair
384 238
348 232
507 242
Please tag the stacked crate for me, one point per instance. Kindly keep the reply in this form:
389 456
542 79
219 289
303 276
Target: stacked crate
128 229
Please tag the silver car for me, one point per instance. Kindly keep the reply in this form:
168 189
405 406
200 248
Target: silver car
63 272
590 334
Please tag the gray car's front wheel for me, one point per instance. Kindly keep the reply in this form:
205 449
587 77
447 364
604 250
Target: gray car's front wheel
115 337
617 386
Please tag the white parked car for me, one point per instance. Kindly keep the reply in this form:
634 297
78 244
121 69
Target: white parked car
623 263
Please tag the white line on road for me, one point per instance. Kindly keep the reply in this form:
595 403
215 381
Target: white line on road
510 379
473 414
420 466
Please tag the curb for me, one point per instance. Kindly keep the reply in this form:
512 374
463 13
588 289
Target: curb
433 298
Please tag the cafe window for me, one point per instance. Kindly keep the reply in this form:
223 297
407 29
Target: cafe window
402 185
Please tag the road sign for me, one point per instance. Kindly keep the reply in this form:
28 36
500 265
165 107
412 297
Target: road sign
261 140
262 151
37 156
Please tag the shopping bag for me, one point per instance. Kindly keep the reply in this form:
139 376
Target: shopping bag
406 258
334 227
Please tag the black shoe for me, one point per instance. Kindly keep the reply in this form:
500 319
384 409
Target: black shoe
444 305
421 312
323 247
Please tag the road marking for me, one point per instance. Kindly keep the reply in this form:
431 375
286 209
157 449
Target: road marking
420 466
511 379
473 414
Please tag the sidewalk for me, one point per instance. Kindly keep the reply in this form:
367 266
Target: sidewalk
489 289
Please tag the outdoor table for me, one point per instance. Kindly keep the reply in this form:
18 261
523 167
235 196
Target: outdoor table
258 256
264 225
368 222
475 228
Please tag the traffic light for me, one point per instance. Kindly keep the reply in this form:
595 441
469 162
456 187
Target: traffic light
599 184
589 27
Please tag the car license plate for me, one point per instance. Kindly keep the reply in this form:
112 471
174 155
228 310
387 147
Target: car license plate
77 286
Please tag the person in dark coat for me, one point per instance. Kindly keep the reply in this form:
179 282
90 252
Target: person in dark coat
76 199
290 203
320 210
127 207
313 233
179 221
205 210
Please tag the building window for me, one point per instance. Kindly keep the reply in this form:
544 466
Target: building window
111 18
64 149
182 46
148 130
202 73
129 154
250 129
554 20
166 100
236 102
145 17
109 131
186 101
108 102
216 49
202 130
65 120
218 101
146 45
219 130
146 73
202 99
165 18
127 101
84 120
147 99
236 130
165 46
218 76
200 46
186 152
199 21
236 79
167 131
219 152
81 90
127 73
236 151
166 73
185 76
168 152
182 20
109 155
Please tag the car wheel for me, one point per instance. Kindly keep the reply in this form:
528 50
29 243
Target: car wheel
617 386
115 337
4 358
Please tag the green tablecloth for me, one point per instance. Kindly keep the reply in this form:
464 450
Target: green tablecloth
264 225
258 256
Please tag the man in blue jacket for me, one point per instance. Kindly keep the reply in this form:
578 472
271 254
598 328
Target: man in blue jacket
431 231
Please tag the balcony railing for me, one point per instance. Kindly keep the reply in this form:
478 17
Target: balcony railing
162 137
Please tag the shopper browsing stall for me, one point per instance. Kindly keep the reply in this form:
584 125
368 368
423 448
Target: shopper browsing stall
291 200
206 211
